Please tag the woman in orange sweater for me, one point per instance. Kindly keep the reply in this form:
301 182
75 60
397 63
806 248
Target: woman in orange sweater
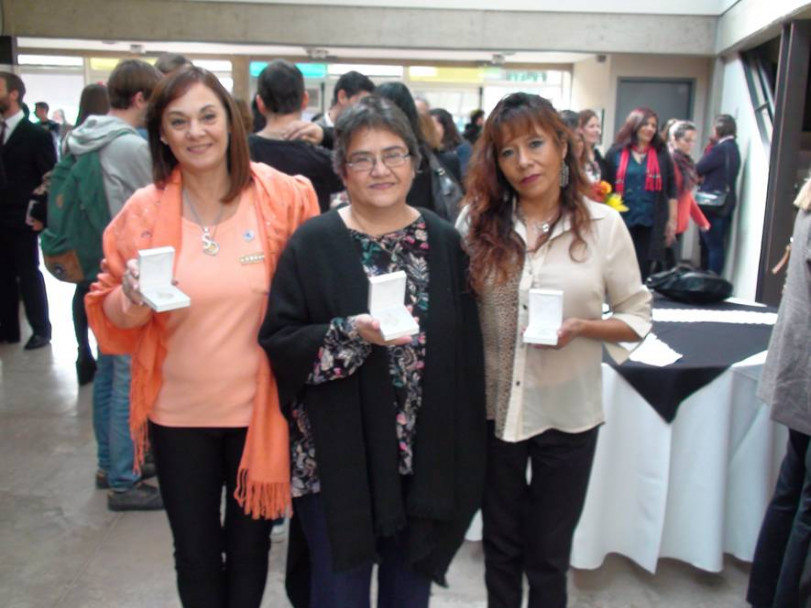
201 386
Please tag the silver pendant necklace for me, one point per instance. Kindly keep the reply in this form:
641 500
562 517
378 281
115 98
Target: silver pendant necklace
210 246
542 228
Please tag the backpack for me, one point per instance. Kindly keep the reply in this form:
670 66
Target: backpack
77 216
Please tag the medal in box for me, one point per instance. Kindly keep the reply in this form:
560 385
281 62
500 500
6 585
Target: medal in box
545 316
387 305
155 268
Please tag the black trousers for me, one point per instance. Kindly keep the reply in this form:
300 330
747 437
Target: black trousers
220 564
80 324
528 526
781 569
20 274
641 236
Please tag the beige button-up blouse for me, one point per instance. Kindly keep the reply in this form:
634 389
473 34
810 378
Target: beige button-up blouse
562 389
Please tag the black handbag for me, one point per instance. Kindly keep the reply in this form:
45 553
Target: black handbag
445 190
687 284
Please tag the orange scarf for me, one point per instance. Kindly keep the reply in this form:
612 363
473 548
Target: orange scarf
152 218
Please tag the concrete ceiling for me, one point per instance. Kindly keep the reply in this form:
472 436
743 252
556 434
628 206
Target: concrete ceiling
344 54
635 7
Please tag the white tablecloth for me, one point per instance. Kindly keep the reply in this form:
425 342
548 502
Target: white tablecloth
691 490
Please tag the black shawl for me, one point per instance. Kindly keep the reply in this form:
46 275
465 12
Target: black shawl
320 277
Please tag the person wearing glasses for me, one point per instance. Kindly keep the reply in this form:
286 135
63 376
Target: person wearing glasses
387 437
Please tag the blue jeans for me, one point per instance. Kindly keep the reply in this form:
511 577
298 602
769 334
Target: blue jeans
398 585
111 420
714 242
782 553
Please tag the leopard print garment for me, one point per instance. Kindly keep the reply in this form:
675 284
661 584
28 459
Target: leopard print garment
498 314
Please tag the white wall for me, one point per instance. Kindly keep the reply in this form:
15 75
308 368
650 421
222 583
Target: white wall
751 18
591 82
743 254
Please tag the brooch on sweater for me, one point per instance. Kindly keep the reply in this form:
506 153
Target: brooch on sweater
252 258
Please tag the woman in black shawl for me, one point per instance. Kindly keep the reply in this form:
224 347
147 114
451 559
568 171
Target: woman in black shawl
387 436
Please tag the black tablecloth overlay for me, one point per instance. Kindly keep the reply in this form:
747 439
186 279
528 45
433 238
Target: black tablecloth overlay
707 348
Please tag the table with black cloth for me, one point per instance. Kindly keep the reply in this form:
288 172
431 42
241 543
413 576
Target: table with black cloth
687 459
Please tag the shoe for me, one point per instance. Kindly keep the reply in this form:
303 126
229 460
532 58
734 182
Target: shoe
36 341
140 497
85 370
147 472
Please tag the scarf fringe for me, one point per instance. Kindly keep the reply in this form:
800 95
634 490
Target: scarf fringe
270 500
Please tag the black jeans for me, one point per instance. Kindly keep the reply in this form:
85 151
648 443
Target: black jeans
20 274
528 527
193 466
781 567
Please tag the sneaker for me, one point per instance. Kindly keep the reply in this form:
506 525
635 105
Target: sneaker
147 472
140 497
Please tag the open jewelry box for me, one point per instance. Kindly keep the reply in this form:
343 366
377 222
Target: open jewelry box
155 278
387 305
545 316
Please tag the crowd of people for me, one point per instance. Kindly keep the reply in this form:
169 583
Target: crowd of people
279 386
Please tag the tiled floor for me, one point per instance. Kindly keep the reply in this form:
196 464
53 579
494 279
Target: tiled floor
59 546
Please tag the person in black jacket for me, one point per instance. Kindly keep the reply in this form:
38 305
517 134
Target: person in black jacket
387 436
281 98
718 169
422 192
641 170
28 153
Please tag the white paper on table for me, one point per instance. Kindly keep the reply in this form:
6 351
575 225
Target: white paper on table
654 351
700 315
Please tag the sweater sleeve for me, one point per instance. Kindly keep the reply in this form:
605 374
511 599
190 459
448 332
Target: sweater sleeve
713 159
121 241
292 342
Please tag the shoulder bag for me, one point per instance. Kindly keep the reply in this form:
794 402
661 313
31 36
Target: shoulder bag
445 190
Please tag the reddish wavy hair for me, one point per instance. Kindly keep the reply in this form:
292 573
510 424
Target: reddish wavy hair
627 135
495 250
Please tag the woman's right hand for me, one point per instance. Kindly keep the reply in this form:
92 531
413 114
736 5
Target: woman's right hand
369 329
130 285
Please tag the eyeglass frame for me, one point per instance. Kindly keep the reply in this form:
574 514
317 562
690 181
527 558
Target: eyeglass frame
401 157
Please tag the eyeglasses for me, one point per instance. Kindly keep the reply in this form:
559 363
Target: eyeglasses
364 163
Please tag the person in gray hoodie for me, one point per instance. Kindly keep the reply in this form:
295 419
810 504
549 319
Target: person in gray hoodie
126 166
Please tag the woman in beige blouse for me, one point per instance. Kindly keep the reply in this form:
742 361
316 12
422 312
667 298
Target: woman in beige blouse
528 225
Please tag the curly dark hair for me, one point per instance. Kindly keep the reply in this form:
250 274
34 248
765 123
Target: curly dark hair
496 251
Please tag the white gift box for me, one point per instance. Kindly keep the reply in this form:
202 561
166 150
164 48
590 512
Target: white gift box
155 267
545 316
387 305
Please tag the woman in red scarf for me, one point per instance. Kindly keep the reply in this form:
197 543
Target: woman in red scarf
640 169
